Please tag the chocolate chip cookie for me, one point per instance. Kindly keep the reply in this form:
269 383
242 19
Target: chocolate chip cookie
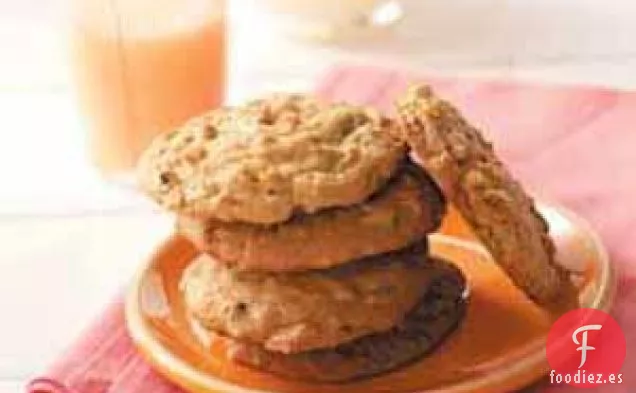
437 314
265 161
408 208
296 312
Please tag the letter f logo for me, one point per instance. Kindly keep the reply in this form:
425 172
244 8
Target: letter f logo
584 347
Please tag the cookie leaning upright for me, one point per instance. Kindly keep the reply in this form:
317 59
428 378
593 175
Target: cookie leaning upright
502 215
263 162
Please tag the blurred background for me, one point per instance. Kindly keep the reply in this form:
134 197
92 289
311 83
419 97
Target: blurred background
84 85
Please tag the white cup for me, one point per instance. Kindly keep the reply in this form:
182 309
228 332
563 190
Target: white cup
332 19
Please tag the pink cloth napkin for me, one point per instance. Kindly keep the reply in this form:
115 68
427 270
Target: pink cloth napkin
573 145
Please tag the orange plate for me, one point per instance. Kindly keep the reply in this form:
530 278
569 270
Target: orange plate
499 346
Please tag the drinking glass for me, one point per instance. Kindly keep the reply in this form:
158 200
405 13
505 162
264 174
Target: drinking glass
141 67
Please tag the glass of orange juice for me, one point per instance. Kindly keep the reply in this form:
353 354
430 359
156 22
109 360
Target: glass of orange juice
142 67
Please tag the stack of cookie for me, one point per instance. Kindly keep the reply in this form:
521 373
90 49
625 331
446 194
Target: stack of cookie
312 225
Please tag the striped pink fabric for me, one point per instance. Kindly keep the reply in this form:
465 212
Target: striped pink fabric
576 146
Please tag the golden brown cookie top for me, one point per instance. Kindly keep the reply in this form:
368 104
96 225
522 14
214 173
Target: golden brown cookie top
264 161
500 212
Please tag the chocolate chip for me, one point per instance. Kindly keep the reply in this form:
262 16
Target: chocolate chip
209 132
241 308
167 178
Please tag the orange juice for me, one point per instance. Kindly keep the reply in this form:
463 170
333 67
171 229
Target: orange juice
143 67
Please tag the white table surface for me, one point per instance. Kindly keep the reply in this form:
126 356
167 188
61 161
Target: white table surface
70 241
